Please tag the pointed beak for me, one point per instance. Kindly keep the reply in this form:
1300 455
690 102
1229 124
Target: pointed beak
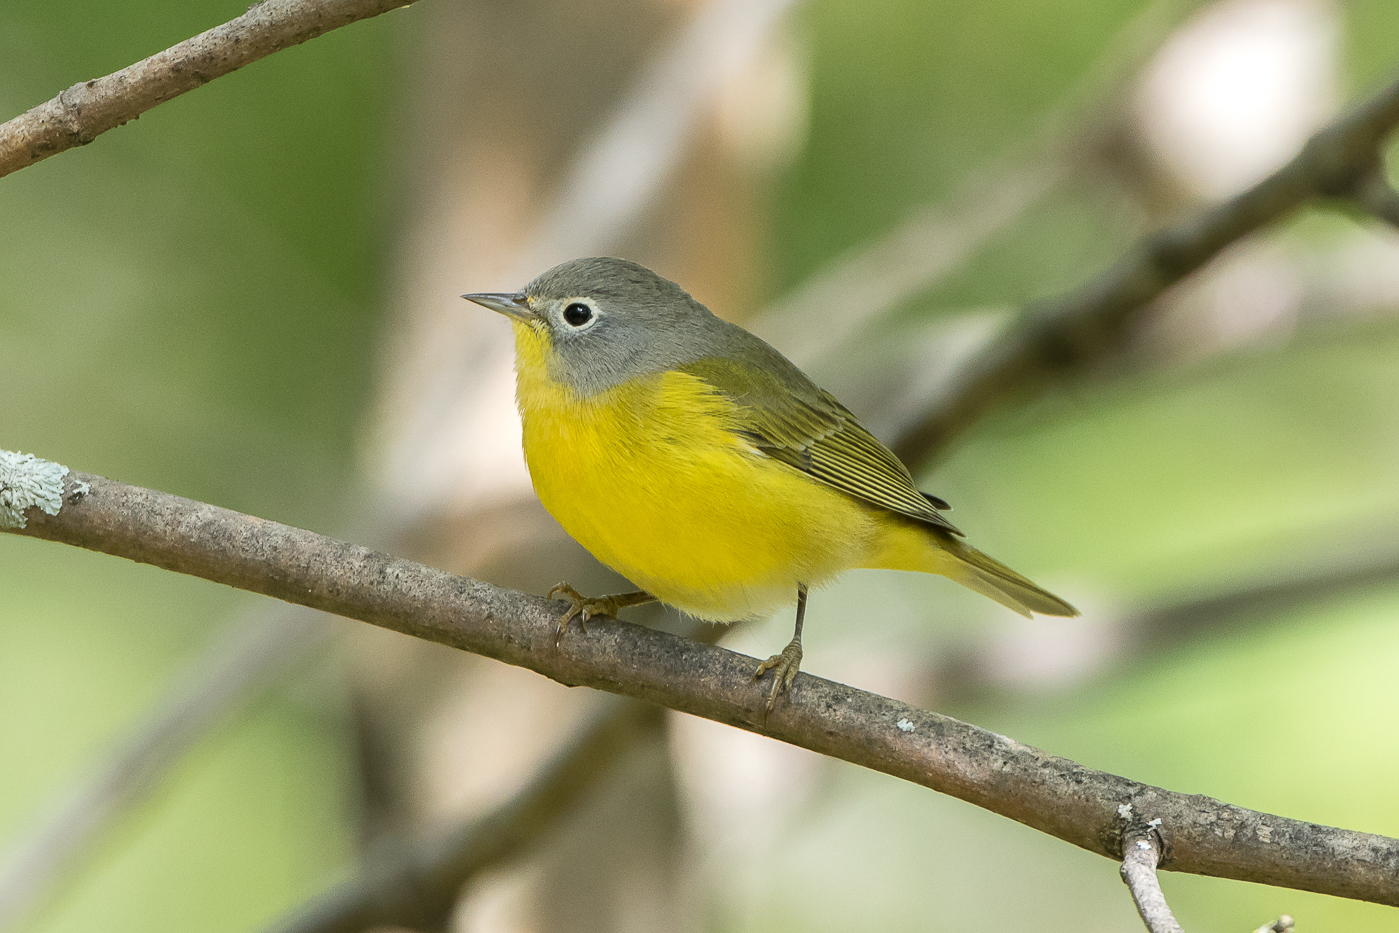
513 305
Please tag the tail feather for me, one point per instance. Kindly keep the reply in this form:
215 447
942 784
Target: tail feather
990 577
910 546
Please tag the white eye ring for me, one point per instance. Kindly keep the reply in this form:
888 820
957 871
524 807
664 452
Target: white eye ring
579 314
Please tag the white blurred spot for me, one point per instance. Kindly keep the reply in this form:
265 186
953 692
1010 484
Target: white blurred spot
1048 652
1254 295
499 902
1358 275
1238 89
485 737
447 434
763 109
905 725
1259 292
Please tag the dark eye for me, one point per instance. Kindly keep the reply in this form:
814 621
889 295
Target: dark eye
578 314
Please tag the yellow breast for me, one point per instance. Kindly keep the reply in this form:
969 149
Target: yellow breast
653 479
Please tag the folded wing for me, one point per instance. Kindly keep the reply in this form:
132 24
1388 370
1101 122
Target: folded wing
789 418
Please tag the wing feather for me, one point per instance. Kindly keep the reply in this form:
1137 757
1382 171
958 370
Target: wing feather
787 417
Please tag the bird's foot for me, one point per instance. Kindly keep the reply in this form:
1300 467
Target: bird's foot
584 608
784 667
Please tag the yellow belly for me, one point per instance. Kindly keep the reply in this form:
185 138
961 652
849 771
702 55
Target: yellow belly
652 479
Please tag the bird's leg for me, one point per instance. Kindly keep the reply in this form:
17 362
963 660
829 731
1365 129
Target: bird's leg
786 664
584 608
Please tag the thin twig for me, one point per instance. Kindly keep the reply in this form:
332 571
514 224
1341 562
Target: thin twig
1074 331
1054 795
1141 853
415 885
86 110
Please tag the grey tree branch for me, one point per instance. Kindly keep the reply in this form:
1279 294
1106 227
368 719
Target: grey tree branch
86 110
1141 853
1073 331
416 885
1053 795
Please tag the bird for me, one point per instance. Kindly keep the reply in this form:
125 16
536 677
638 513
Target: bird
702 465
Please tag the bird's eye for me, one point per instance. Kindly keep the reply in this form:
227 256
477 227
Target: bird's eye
578 314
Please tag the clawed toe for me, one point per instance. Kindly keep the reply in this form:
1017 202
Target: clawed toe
580 607
784 667
584 608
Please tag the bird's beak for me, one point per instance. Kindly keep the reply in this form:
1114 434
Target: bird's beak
513 305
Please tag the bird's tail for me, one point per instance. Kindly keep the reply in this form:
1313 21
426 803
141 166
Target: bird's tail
989 577
916 547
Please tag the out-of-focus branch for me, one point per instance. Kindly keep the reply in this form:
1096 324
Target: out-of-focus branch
1069 333
1373 192
416 885
1141 853
996 663
612 180
1053 795
86 110
875 277
252 654
1327 579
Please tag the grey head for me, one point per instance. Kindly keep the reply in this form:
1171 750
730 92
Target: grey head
612 320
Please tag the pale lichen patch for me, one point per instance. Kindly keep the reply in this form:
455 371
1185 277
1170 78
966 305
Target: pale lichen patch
27 482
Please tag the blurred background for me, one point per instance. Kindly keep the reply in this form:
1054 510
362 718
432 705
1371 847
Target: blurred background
249 297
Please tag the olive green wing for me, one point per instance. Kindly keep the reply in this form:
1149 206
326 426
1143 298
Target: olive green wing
789 418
